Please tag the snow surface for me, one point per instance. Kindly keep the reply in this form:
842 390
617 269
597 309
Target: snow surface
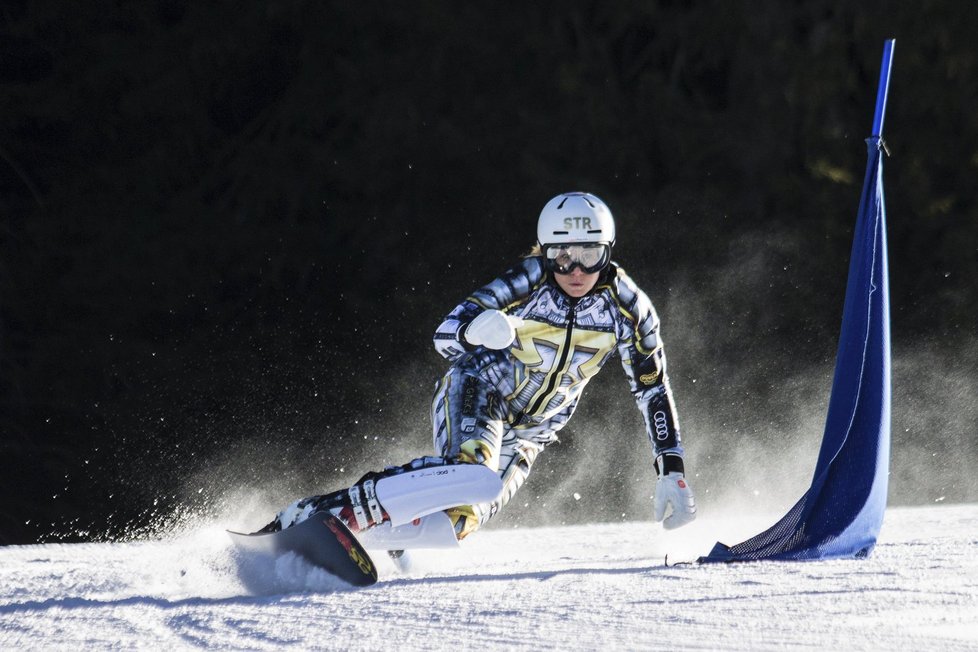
578 587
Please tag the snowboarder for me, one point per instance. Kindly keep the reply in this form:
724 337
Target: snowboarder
521 349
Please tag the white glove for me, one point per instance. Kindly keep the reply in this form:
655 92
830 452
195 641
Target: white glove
672 489
492 329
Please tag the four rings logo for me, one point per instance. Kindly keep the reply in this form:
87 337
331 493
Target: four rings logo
661 425
648 379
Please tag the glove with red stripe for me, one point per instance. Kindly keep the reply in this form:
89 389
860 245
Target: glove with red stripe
673 504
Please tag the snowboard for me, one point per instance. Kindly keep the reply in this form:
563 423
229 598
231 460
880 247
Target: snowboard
323 540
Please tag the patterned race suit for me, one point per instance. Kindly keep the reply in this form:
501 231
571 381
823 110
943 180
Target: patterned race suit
501 408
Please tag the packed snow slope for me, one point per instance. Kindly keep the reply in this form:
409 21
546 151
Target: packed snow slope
579 587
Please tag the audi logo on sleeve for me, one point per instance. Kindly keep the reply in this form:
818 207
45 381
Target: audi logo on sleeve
661 425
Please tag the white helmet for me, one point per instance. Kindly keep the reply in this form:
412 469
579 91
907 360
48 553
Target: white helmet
575 217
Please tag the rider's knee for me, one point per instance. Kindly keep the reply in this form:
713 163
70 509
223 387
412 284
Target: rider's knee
478 451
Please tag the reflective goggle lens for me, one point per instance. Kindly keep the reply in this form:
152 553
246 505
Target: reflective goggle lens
590 257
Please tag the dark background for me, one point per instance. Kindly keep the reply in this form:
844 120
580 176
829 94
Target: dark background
229 230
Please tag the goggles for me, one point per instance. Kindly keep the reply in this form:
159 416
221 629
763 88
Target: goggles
563 258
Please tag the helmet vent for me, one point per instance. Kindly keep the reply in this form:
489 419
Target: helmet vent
591 231
561 204
589 202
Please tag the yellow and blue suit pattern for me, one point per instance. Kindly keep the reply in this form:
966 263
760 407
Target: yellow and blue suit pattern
501 408
561 345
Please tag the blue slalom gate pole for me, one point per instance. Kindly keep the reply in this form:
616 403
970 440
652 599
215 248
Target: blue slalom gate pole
883 89
841 513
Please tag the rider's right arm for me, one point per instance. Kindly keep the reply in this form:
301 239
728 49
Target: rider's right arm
504 293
